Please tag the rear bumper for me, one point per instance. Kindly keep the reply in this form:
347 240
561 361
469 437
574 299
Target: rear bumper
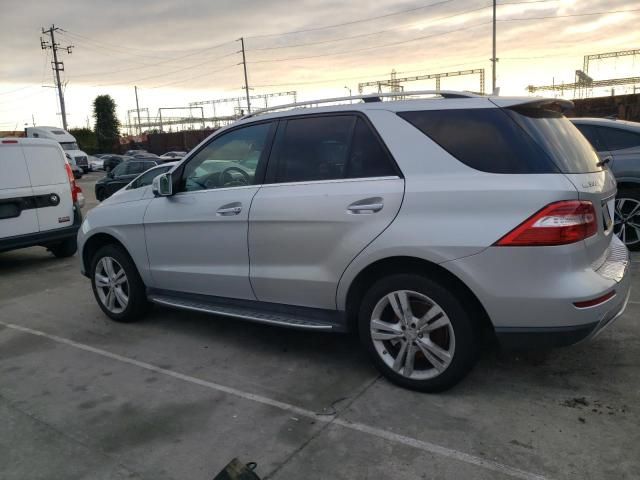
530 296
44 238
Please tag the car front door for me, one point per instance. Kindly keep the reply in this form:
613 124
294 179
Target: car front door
197 238
331 188
624 146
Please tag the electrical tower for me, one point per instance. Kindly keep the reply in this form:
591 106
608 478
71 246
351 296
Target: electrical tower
56 66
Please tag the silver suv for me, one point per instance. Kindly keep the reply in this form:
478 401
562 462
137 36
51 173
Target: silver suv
421 223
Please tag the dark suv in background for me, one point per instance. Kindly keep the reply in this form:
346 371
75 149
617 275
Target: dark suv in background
619 141
121 175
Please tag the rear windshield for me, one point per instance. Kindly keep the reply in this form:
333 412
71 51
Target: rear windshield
562 141
499 140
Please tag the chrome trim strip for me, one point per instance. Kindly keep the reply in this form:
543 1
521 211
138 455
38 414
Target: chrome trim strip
235 315
337 180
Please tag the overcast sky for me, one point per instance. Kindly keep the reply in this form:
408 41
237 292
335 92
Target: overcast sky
180 52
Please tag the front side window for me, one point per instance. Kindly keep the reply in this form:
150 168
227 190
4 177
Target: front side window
147 178
229 160
120 170
618 139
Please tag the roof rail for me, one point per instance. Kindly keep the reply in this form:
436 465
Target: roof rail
368 98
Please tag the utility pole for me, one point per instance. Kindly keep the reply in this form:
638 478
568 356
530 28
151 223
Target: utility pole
494 60
246 81
138 109
56 65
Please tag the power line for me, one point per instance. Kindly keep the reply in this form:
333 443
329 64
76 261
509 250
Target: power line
353 22
568 15
193 77
423 37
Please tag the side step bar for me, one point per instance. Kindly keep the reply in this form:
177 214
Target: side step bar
249 310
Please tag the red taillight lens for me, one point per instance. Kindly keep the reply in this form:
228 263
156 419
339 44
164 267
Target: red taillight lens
75 189
558 223
595 301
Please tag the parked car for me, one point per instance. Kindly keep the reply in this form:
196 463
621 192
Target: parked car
95 163
419 223
76 170
112 161
130 153
135 190
145 155
619 141
172 156
120 176
39 199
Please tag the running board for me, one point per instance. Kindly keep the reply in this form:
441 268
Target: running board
245 310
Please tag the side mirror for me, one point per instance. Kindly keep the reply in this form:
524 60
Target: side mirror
162 185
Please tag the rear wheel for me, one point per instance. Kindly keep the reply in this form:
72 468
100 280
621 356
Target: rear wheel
65 248
627 218
417 332
117 285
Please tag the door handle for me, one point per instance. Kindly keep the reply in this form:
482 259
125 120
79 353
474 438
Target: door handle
359 208
228 211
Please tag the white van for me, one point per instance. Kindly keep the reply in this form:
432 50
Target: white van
39 199
66 141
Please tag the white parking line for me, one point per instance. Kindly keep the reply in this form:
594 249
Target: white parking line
359 427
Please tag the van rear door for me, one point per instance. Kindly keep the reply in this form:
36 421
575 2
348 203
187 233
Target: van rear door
17 213
50 184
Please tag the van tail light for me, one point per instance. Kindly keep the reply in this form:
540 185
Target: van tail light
75 189
558 223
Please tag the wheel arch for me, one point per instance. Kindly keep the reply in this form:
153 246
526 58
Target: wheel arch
407 264
94 243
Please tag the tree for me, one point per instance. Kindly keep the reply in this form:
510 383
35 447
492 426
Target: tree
107 124
86 139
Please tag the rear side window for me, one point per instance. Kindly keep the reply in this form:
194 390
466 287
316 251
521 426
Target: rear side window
329 148
618 139
485 139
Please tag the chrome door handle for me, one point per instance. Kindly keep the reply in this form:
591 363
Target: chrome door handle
228 211
366 208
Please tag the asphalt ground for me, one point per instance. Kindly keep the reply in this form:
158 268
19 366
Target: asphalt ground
179 394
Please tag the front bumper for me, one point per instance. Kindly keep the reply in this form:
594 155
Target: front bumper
531 303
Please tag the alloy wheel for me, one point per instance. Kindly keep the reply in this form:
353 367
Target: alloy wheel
112 284
412 334
627 220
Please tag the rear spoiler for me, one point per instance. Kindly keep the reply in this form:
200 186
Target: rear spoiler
536 102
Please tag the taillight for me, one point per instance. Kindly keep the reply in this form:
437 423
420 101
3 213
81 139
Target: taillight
75 189
558 223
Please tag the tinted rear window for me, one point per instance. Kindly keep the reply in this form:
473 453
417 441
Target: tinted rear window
618 139
486 139
561 140
511 140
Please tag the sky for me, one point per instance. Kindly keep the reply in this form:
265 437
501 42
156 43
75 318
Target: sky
181 52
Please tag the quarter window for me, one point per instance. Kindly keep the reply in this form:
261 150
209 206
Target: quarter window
229 160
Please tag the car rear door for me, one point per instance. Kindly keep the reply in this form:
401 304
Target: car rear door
50 184
624 146
332 187
17 215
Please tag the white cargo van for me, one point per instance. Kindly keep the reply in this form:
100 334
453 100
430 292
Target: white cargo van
39 199
66 141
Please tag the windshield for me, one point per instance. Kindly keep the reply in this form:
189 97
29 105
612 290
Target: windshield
69 146
560 139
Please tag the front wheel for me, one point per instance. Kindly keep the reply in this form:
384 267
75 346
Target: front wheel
117 285
627 218
417 332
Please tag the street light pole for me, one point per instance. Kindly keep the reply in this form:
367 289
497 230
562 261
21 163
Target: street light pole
351 101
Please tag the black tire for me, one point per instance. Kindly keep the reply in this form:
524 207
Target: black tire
137 304
465 332
101 194
632 241
64 249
